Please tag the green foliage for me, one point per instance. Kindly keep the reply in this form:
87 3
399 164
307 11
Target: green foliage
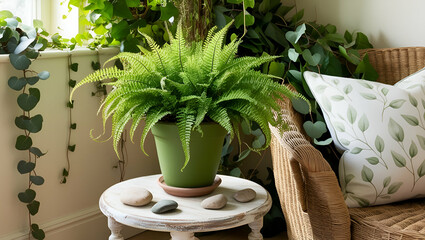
303 46
23 44
189 85
118 22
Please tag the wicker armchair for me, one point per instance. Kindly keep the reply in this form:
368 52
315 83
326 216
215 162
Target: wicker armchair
308 189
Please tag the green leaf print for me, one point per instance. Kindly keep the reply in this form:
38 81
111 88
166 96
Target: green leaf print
321 88
356 150
365 84
423 103
421 169
344 141
413 150
421 140
363 123
396 131
368 96
396 104
339 126
393 188
373 160
326 104
387 181
399 160
413 100
385 91
337 98
347 89
351 114
348 178
367 174
379 144
361 201
412 120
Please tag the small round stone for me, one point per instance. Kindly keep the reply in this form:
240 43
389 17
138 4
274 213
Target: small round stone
214 202
244 195
164 206
136 196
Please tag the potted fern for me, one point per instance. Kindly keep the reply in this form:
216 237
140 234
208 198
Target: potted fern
190 97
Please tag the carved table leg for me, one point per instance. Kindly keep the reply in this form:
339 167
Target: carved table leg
183 236
255 230
115 228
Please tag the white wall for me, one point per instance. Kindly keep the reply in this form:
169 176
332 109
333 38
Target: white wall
67 211
387 23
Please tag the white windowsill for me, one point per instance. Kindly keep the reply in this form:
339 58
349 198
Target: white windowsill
55 53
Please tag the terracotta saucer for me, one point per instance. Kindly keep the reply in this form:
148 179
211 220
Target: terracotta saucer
189 192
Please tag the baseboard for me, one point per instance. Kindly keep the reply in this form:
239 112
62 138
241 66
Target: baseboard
87 224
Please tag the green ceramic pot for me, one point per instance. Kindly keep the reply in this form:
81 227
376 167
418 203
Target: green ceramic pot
205 152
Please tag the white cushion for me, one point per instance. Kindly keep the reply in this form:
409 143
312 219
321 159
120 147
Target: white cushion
380 129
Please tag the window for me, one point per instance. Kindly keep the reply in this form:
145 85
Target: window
51 12
25 9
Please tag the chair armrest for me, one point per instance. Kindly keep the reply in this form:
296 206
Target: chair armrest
316 185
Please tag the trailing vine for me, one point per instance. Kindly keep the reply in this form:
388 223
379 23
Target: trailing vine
23 44
72 125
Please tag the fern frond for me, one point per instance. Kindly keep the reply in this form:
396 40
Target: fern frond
152 117
121 117
212 50
185 121
241 94
228 53
138 114
134 61
220 116
251 112
204 104
210 34
160 58
101 74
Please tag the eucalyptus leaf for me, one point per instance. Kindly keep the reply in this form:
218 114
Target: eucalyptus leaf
23 142
16 84
37 180
236 172
294 36
33 207
315 130
27 196
300 105
44 75
25 167
19 62
324 142
36 151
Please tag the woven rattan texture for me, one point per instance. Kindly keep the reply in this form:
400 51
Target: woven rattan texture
309 193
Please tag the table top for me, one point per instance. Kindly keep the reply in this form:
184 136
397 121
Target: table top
189 216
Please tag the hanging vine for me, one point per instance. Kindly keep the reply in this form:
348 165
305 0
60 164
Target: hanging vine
72 125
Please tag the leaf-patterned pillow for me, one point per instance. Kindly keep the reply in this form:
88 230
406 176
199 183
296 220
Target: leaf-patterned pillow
381 131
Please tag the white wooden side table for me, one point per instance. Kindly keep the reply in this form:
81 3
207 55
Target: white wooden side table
189 217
